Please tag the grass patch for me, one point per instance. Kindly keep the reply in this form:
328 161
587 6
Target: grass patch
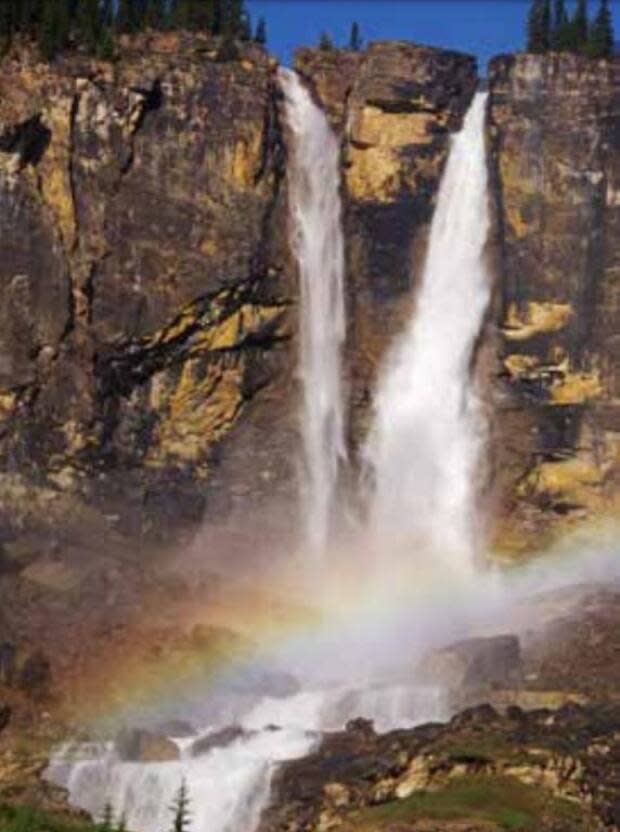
25 819
509 804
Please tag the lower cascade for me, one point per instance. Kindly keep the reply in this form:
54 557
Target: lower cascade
423 451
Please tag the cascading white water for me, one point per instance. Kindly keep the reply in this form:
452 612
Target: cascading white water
428 428
317 240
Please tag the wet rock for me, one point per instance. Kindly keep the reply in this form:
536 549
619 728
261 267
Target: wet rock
474 664
218 739
138 746
566 756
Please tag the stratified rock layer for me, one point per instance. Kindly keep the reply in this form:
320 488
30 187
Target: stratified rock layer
144 302
555 139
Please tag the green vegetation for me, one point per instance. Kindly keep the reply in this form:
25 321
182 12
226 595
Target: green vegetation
513 806
355 39
325 42
92 25
559 32
23 819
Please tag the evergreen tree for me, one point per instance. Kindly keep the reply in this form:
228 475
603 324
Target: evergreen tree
107 819
107 14
155 14
180 809
355 40
245 27
6 24
122 824
580 24
53 29
129 17
601 40
260 36
325 42
88 25
560 17
539 26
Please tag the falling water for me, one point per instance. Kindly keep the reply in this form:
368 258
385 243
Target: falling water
316 232
428 426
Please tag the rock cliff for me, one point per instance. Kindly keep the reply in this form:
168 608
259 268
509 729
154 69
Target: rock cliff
148 312
555 142
145 301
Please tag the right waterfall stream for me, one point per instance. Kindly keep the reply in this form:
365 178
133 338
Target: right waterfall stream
428 428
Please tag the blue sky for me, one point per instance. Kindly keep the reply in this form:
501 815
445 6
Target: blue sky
481 27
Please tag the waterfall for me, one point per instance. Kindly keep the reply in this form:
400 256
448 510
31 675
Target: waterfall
317 241
423 450
428 427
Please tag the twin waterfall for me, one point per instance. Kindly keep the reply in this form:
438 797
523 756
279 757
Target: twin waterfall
317 241
424 445
428 427
422 454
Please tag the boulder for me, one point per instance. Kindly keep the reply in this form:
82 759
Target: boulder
138 746
474 664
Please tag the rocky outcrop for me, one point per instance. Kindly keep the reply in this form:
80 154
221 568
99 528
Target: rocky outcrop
395 106
474 665
555 771
554 128
145 298
137 746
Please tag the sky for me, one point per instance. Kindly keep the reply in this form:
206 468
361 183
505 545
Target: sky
481 27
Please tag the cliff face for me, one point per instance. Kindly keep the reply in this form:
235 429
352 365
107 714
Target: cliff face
144 302
555 141
147 318
395 106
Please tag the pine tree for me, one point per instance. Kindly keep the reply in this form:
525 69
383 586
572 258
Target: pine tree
6 25
355 40
260 36
129 17
155 14
88 25
122 824
107 14
53 28
180 809
539 26
601 40
560 17
325 42
107 819
580 24
245 27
